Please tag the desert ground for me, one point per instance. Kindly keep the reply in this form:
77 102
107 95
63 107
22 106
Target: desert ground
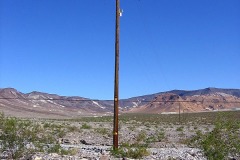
207 135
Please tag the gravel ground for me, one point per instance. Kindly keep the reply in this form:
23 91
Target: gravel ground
93 140
165 141
102 153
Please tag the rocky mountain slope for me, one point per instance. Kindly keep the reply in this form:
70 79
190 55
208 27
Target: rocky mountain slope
38 104
172 102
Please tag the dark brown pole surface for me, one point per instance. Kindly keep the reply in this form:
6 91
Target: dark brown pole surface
179 112
116 81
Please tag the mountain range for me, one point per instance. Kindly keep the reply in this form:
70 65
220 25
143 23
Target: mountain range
44 105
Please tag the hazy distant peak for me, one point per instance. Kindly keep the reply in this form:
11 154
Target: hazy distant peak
10 93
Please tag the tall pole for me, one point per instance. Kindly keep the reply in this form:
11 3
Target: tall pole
116 81
179 112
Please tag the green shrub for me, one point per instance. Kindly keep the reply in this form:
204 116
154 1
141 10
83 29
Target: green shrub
46 125
160 136
103 131
224 140
15 134
86 126
54 149
151 139
73 128
141 136
67 151
129 151
180 129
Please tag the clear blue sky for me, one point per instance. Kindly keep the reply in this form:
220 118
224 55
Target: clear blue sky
67 46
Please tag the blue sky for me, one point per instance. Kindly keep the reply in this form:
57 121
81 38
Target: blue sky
67 46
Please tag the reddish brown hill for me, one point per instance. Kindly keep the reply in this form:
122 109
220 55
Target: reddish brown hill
170 102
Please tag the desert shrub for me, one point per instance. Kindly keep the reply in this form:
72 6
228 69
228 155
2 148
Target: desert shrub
131 128
22 137
54 149
68 151
151 139
15 135
86 126
61 133
160 136
222 141
73 128
141 136
103 131
130 151
46 125
180 129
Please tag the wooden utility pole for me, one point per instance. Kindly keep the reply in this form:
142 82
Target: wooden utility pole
179 112
116 79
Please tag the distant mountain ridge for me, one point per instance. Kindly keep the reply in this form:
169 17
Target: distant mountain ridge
142 100
39 104
234 92
44 105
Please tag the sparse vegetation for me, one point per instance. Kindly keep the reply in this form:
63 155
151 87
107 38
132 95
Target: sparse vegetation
132 128
222 141
86 126
157 137
131 151
160 136
141 137
103 131
180 129
22 137
73 128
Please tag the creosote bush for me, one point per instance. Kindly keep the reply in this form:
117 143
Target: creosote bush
86 126
141 137
158 137
180 129
23 137
135 151
222 141
103 131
